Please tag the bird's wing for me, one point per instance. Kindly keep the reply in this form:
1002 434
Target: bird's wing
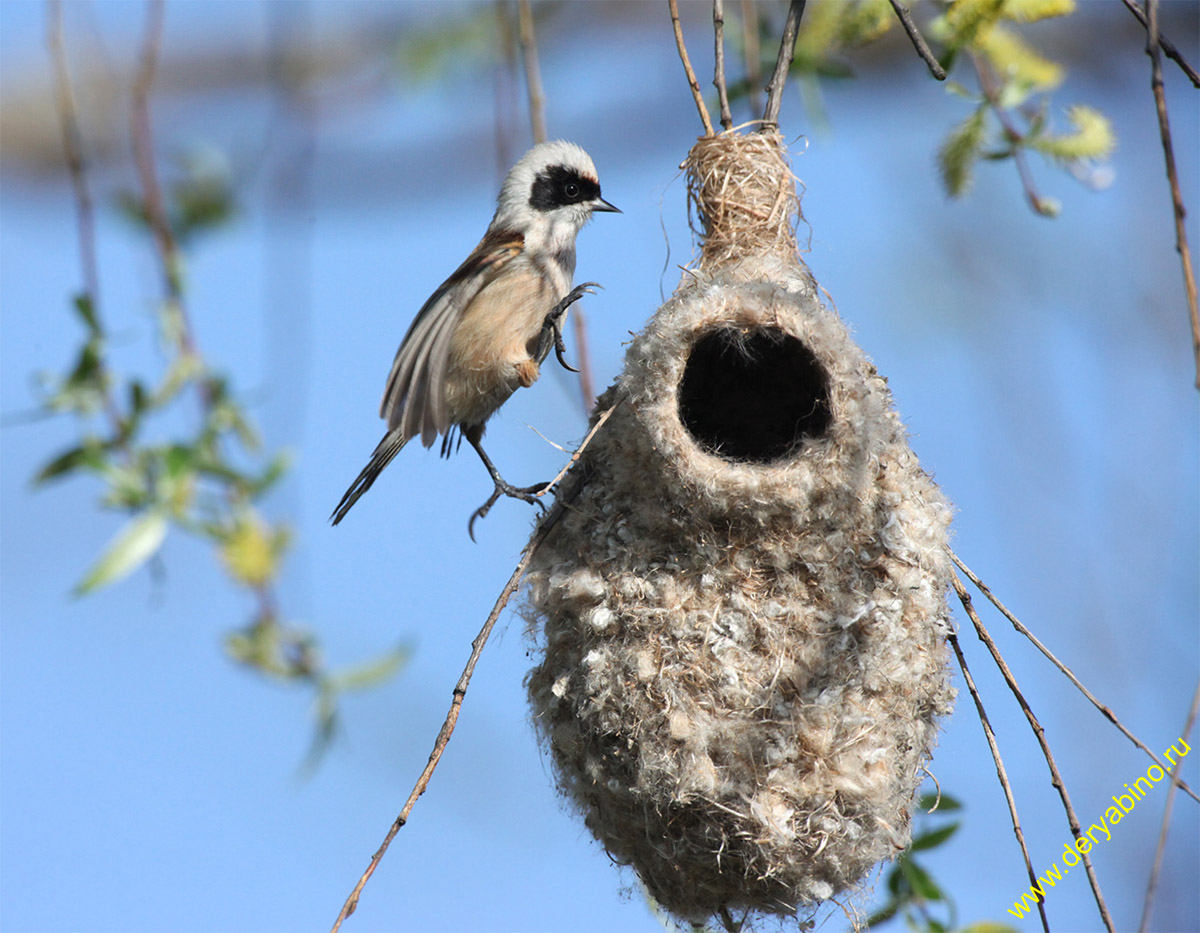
415 401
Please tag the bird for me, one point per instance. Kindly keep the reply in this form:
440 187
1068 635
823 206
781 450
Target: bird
485 331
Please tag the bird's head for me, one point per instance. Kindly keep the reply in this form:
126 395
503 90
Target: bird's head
550 194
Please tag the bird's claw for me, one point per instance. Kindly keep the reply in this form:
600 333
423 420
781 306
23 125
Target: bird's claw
552 326
530 494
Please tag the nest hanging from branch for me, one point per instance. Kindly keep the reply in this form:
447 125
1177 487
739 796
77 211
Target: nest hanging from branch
743 611
742 191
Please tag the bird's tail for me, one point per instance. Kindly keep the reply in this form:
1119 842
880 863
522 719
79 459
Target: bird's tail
393 442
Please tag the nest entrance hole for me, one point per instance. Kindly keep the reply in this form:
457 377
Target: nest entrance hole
753 395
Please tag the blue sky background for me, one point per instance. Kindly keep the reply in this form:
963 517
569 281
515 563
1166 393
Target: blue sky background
1043 368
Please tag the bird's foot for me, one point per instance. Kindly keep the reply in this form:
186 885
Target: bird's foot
530 494
551 335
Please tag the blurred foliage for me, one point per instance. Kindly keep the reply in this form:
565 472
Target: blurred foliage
1008 95
208 481
912 893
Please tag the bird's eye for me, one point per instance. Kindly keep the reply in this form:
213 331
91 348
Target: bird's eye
571 190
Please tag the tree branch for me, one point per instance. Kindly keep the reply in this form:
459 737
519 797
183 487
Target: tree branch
787 51
673 6
1040 734
1152 883
1000 772
719 65
1153 44
918 40
1168 48
1070 675
551 518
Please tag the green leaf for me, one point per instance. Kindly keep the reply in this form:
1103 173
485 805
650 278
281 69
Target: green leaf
988 926
275 471
85 309
67 462
922 884
960 151
372 673
933 803
133 545
934 837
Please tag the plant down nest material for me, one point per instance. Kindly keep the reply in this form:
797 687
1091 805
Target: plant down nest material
742 612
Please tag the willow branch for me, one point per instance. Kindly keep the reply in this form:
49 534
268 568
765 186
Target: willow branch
1153 44
719 65
1000 772
783 63
72 140
1070 675
1152 884
551 518
1167 46
73 152
673 6
918 41
1040 734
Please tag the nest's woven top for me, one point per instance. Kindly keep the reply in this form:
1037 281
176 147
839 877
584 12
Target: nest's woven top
744 195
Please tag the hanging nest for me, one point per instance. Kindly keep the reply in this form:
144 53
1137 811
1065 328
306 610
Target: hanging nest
742 611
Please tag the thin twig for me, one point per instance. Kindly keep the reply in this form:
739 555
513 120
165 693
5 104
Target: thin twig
719 66
991 93
76 162
783 63
460 691
673 5
551 518
1070 675
1152 884
1039 733
73 152
1153 44
533 74
603 417
537 120
918 41
1000 772
1167 46
753 62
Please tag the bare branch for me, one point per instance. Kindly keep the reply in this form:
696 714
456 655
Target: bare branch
533 74
753 63
1040 734
1000 772
601 418
1020 627
1153 49
84 214
787 51
551 518
1152 884
1168 48
918 41
673 5
719 66
73 152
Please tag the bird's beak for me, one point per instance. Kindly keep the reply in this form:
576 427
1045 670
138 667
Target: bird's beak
602 205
